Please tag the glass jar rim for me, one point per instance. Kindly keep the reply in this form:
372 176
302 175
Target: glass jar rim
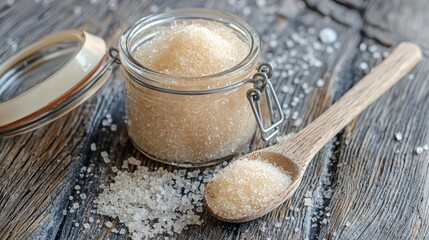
130 63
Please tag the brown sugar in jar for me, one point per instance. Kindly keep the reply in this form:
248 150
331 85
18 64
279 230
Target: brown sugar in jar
186 78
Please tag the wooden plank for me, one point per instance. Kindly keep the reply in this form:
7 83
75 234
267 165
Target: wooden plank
379 182
393 176
343 14
38 171
398 21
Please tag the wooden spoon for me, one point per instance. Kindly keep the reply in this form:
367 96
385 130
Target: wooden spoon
295 153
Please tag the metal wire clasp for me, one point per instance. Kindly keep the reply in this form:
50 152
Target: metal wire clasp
262 85
114 55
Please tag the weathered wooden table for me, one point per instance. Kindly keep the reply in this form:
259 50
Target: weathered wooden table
364 184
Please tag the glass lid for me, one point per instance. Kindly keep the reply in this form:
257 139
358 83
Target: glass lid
49 78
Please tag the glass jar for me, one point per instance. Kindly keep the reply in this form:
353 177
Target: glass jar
189 121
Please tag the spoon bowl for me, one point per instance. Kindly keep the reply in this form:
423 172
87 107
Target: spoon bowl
289 166
295 153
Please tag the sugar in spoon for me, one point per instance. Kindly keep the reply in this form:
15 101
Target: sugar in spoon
295 153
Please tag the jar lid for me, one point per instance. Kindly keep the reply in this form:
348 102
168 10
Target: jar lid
49 78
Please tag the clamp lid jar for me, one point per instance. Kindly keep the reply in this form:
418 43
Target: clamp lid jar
195 120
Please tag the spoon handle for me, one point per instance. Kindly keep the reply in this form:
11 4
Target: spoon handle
303 146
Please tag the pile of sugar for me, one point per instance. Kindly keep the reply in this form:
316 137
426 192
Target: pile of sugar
245 186
193 50
154 202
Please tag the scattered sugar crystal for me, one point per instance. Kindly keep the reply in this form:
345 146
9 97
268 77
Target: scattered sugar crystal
308 202
425 147
106 159
348 224
362 47
278 225
113 5
13 44
64 212
123 231
385 54
104 154
295 115
297 122
154 8
77 10
260 3
76 224
108 224
372 48
70 198
114 230
134 161
308 90
245 186
328 35
398 136
320 83
411 76
124 164
114 169
10 2
83 196
77 187
328 193
91 219
140 198
324 221
105 123
363 66
296 81
86 225
296 229
419 150
75 205
284 89
113 127
376 55
93 147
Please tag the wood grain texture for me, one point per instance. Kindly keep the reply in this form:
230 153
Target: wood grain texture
357 176
303 146
398 21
